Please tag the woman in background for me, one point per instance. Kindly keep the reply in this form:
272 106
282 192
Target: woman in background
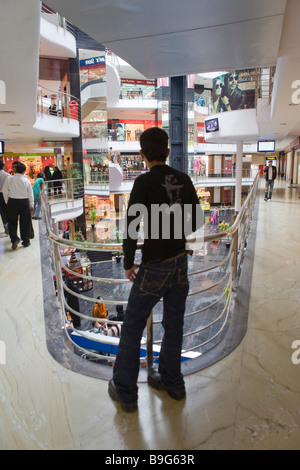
37 189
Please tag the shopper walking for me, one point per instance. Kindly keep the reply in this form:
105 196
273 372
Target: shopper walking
270 176
48 178
162 274
3 176
37 194
57 175
18 195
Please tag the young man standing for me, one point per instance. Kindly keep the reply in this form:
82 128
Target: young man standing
162 273
18 195
270 176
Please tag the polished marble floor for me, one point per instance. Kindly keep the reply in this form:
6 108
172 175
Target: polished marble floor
250 399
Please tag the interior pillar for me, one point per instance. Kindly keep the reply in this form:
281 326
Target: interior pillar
178 123
238 176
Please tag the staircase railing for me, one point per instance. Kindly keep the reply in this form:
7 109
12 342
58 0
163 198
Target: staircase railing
208 307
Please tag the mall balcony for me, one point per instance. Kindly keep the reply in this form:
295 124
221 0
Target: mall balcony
117 180
27 115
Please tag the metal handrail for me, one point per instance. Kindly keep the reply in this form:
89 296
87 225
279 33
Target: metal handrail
64 103
238 233
57 19
222 174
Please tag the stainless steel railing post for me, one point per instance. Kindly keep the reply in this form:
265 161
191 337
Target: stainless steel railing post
150 341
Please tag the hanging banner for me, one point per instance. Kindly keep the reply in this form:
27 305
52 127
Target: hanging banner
234 90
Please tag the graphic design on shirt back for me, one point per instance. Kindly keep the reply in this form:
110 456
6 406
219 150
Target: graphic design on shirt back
173 189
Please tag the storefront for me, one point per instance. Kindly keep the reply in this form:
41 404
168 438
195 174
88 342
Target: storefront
128 130
204 198
101 204
94 130
92 69
198 165
137 89
34 163
95 167
200 132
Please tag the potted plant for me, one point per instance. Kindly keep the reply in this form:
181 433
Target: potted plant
93 217
225 226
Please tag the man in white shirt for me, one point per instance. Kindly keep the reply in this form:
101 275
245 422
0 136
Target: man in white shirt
3 176
18 195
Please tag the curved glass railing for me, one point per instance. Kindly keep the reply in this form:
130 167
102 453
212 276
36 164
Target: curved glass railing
213 275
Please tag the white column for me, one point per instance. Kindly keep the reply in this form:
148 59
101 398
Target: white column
238 176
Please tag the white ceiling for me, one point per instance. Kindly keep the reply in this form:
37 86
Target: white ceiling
172 37
168 38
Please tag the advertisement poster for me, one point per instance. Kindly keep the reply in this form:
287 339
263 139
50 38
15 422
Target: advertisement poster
234 90
120 128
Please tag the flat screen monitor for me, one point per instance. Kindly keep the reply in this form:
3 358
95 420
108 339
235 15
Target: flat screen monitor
1 147
212 125
266 146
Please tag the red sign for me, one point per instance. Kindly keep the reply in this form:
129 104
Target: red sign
131 81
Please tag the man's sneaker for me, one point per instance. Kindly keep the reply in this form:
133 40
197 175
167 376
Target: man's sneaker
154 380
265 199
269 200
26 244
112 390
15 244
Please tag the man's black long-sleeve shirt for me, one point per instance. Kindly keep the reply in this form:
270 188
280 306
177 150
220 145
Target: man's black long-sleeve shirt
162 185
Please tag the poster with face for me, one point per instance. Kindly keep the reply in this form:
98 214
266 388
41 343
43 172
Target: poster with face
234 90
120 128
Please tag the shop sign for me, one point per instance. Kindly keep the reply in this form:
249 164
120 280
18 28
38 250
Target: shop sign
30 159
247 75
131 81
30 155
92 61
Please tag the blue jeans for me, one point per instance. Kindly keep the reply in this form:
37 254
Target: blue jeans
168 280
269 189
37 206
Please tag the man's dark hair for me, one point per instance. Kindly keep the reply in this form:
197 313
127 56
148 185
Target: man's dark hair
154 144
20 168
2 164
